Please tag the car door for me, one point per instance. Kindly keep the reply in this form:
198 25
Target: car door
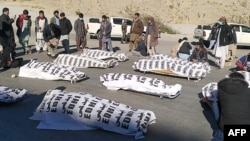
129 24
116 27
239 34
245 34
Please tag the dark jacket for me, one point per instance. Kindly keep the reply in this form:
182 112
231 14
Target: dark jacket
37 23
185 48
65 26
201 56
234 37
225 37
51 31
142 48
79 28
234 98
106 28
6 32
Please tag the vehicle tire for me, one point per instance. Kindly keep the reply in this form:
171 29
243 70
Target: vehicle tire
98 34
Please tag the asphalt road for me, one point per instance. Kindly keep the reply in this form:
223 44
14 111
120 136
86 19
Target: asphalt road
180 119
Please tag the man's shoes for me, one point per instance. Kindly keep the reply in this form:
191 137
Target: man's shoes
53 57
48 55
235 57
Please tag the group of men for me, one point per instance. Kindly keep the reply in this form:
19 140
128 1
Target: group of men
138 41
222 42
47 33
184 50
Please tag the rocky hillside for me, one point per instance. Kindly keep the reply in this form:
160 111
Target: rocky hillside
167 11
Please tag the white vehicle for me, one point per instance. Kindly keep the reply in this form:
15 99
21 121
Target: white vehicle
242 33
202 31
116 22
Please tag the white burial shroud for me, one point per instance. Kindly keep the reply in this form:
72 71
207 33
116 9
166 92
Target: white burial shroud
103 55
164 64
147 85
10 95
83 61
169 58
210 90
62 110
50 71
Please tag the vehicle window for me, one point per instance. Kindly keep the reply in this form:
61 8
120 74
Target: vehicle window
129 22
94 20
237 27
207 27
117 21
245 29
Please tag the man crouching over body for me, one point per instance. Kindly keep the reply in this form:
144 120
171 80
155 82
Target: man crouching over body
51 36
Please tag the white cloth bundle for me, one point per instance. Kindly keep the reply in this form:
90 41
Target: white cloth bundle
246 76
83 61
50 71
169 58
211 90
116 81
10 95
101 54
62 110
170 67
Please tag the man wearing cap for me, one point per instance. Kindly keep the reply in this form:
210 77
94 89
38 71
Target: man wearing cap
23 24
66 27
223 40
81 32
7 38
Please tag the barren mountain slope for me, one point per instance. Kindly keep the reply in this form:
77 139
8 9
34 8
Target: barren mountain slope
168 11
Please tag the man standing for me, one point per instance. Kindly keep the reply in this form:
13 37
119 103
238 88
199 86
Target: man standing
23 24
66 27
135 31
233 45
40 23
51 36
7 38
55 19
124 31
152 36
105 30
223 40
81 31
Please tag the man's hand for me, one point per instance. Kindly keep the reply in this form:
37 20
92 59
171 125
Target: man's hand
195 60
245 68
14 17
48 43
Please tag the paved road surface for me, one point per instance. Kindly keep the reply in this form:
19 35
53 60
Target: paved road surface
180 119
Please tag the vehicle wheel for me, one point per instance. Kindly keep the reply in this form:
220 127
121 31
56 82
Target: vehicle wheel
98 35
